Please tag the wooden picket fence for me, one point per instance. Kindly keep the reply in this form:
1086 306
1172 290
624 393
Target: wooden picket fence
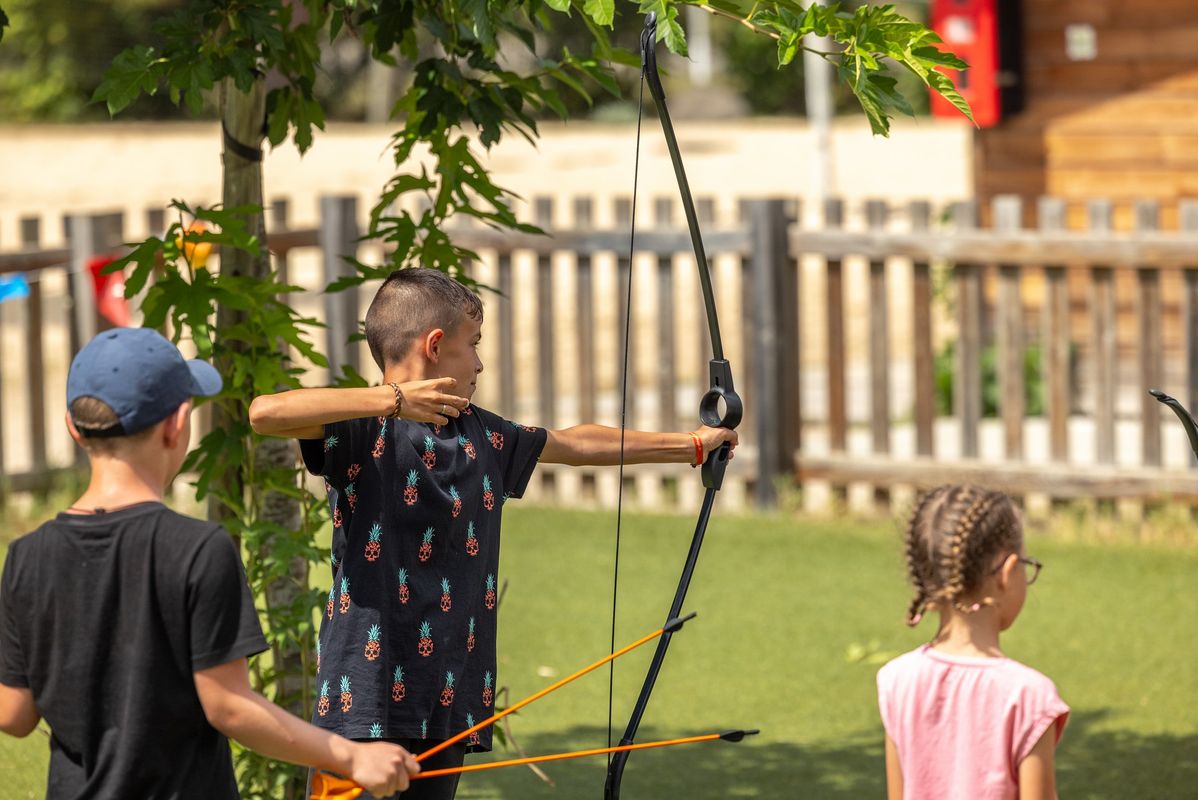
838 329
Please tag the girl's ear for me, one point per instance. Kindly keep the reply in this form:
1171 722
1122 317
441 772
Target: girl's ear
1007 571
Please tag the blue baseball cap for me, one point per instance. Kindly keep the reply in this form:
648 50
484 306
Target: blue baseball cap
140 375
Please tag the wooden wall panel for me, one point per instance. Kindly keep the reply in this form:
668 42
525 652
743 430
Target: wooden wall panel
1123 126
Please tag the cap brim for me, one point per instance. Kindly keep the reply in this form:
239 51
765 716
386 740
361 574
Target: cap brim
205 380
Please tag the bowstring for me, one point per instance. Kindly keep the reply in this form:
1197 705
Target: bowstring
611 667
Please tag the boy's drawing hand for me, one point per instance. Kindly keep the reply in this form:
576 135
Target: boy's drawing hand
712 438
382 768
430 401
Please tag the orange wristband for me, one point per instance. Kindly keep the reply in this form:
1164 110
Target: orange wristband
698 450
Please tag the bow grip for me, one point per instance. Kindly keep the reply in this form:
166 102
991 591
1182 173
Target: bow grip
720 407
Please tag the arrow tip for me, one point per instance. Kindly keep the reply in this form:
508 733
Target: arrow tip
736 736
674 624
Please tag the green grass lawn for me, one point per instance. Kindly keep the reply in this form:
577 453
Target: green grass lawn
794 619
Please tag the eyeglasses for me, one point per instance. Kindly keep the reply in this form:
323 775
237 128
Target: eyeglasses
1035 564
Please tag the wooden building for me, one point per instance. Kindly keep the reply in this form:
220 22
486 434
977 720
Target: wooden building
1110 108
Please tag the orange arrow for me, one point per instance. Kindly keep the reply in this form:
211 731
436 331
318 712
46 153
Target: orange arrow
729 736
669 627
327 787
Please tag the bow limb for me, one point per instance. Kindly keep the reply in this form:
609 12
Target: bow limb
1187 420
720 406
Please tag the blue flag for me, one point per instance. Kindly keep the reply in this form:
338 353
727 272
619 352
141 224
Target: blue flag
13 287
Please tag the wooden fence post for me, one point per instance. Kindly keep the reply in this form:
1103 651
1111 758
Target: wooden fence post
1055 364
667 362
967 384
34 352
921 325
546 391
279 210
626 316
585 310
790 331
88 236
877 214
834 297
772 308
1189 224
338 241
1148 281
507 337
1008 219
705 208
1105 333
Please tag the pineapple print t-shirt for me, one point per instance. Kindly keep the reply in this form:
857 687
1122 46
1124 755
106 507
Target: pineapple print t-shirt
407 637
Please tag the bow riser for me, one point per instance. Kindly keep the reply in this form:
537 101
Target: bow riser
720 406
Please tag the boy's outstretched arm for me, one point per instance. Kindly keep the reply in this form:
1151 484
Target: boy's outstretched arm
18 713
240 713
303 413
599 446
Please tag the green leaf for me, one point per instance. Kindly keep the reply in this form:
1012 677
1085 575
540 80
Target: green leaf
133 72
603 12
559 5
672 33
788 48
935 55
944 86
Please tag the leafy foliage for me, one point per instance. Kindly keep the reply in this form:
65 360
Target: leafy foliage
868 37
945 374
468 86
55 50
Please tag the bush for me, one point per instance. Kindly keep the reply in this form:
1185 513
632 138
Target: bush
944 371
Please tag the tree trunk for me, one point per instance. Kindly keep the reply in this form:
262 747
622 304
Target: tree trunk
243 115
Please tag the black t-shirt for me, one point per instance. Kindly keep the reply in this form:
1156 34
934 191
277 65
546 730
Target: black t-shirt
105 618
407 641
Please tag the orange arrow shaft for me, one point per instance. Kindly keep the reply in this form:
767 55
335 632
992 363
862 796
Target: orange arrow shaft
329 787
531 698
435 773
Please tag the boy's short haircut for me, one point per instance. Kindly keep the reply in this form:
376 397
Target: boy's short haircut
412 302
90 414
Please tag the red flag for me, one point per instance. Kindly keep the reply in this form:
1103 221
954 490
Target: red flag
110 291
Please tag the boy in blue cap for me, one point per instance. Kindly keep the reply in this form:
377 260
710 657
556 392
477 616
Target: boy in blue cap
127 626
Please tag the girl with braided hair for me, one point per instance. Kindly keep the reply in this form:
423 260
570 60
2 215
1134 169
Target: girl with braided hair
962 720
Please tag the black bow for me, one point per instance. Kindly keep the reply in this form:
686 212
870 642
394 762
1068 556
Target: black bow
720 406
1187 419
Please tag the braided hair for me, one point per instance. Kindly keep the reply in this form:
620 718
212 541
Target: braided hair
952 537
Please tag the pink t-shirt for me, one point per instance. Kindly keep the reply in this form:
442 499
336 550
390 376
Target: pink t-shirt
963 724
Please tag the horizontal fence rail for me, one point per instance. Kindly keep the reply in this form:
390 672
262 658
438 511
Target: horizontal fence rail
878 348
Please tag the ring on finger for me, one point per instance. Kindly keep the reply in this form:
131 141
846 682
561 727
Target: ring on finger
442 409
